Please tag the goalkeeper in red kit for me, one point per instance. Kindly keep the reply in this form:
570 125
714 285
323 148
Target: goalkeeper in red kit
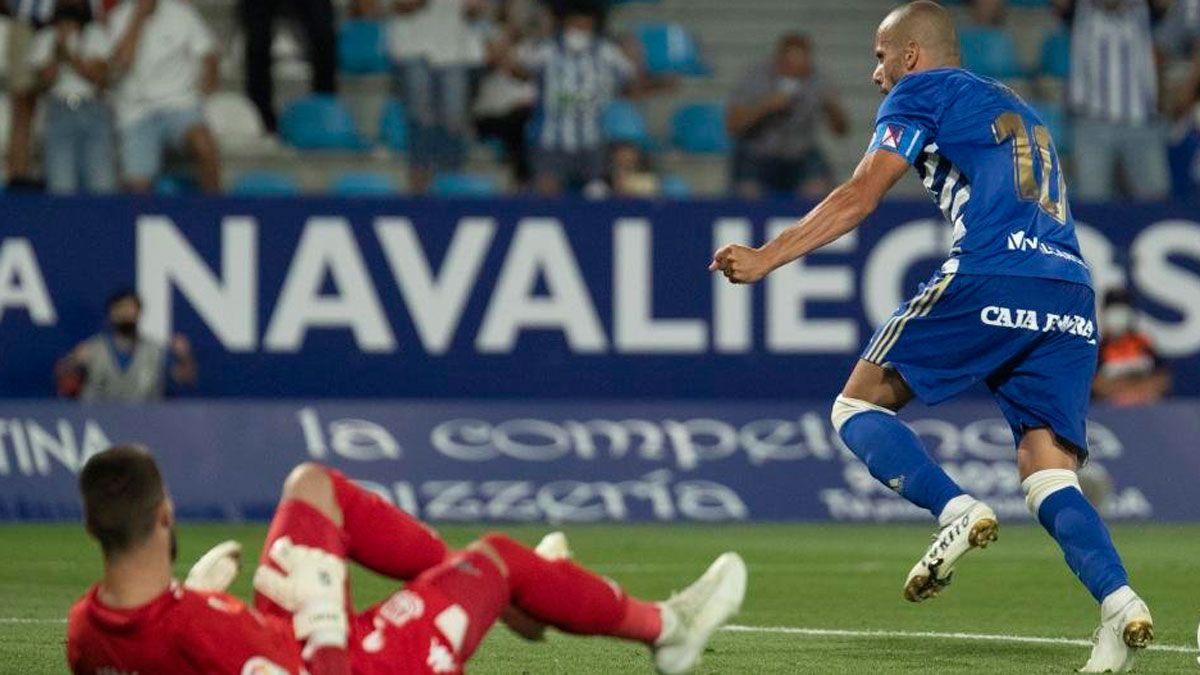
139 619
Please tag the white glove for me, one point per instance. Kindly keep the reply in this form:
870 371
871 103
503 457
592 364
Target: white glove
312 587
217 569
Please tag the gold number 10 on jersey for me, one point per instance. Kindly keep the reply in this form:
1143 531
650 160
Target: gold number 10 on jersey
1011 125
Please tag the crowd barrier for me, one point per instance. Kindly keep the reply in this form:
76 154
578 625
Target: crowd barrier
572 462
326 298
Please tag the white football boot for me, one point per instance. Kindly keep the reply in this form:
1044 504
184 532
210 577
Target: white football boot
691 616
553 546
976 527
1125 627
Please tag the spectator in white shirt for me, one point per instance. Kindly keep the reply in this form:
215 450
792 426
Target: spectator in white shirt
435 45
71 60
165 61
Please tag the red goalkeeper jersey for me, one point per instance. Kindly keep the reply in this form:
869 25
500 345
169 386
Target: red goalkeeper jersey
181 631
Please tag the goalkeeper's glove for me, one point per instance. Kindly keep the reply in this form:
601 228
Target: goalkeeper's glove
217 569
312 586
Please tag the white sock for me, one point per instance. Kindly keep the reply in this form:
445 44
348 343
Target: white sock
1116 600
670 623
955 508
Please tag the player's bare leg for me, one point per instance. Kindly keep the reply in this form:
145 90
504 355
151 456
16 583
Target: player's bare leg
865 418
1052 491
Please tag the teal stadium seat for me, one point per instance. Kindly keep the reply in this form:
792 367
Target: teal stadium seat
265 183
175 185
465 185
622 122
700 128
362 47
675 187
393 126
363 184
1056 54
1055 118
990 52
320 122
670 49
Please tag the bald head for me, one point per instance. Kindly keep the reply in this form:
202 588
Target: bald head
914 37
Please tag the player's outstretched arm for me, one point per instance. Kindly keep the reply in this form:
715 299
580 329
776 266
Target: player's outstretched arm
843 210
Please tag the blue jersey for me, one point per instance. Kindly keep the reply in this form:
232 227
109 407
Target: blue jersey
989 163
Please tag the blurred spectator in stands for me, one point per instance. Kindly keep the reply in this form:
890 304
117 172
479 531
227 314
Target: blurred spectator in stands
318 21
25 18
118 364
71 58
1114 98
579 72
504 103
630 173
1130 371
1179 40
436 44
987 48
164 60
774 116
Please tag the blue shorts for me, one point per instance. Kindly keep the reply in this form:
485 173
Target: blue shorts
1032 341
144 141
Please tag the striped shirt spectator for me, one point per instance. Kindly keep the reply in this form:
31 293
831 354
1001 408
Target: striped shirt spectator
1114 99
575 86
1113 73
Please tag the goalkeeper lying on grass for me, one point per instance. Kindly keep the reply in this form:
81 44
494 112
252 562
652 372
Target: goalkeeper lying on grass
139 619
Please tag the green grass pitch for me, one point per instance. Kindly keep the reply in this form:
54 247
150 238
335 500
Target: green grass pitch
826 577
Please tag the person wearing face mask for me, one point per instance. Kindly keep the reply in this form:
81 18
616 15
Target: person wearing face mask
774 117
579 72
120 365
1130 370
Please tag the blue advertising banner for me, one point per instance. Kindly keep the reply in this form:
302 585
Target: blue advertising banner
519 299
573 462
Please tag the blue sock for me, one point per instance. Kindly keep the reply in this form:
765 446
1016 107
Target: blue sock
1075 525
895 457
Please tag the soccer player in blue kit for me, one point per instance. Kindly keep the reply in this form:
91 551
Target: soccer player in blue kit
1012 306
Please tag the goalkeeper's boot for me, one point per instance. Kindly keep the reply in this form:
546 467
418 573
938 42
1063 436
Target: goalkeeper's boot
1125 628
976 527
553 546
691 616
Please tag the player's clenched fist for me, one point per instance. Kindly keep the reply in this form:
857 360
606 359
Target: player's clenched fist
740 264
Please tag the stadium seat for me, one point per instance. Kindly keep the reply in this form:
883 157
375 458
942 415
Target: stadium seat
233 118
363 183
623 122
670 50
990 52
174 185
1055 118
393 126
700 128
1056 54
265 183
320 122
465 185
362 47
675 187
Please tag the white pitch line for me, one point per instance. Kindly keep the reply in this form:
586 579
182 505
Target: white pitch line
978 637
838 632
